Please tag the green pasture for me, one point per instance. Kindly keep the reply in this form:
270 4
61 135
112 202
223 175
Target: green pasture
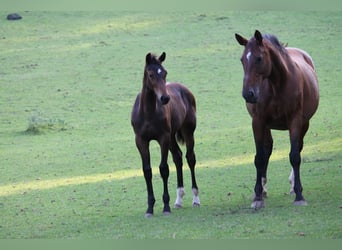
69 167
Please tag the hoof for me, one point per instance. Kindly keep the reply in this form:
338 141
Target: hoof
166 213
148 215
178 205
300 203
195 204
258 204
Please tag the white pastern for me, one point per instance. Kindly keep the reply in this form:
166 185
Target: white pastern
179 199
264 186
195 198
292 181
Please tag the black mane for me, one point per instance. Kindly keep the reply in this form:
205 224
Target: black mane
274 41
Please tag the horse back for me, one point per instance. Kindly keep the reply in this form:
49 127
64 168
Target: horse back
182 104
307 71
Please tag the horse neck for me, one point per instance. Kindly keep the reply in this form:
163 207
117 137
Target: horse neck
281 67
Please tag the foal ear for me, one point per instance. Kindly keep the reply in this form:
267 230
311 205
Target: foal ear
148 58
241 40
258 36
162 57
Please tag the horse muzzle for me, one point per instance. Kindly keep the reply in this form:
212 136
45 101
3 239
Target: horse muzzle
250 95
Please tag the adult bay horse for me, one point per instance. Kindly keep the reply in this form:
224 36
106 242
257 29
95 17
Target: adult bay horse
165 112
281 92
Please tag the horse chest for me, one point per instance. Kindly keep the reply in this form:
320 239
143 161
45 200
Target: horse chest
152 129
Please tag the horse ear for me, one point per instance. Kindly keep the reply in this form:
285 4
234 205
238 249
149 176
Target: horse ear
148 58
162 57
258 36
241 40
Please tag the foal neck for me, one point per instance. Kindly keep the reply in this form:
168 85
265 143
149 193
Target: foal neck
148 101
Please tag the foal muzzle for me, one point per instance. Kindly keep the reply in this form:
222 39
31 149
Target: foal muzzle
164 99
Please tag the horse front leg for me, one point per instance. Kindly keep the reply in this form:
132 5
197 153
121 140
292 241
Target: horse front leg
164 173
267 150
143 147
296 140
260 162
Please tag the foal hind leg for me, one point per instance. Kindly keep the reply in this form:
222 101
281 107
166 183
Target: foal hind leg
177 159
191 159
164 173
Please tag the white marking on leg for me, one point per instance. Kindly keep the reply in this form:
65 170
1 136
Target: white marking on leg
195 198
264 187
179 200
292 181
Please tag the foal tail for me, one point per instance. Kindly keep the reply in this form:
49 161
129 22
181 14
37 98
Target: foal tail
180 137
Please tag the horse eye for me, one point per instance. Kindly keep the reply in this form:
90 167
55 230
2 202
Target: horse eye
258 59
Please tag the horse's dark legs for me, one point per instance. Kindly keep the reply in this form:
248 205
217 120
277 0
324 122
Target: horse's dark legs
164 173
191 159
295 159
263 144
143 147
267 150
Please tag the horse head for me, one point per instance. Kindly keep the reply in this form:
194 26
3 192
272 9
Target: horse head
256 65
155 77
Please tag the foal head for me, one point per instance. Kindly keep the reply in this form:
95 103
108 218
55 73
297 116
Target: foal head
256 62
155 77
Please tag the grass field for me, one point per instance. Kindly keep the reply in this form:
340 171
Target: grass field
68 162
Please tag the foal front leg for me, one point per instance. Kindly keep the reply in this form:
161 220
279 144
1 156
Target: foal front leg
164 173
143 147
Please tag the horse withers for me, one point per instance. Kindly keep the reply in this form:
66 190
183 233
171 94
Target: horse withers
165 112
281 92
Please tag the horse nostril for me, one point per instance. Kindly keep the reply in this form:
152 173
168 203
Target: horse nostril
164 99
250 94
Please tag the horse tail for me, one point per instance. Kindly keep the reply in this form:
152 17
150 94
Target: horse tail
180 137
